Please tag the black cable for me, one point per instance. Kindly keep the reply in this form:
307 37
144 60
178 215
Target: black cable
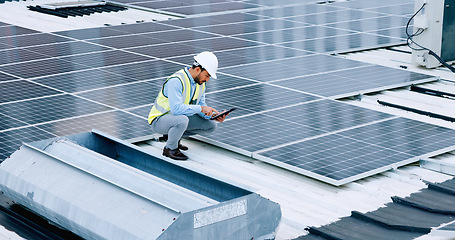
417 33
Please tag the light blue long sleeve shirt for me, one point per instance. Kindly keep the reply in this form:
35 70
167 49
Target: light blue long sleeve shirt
173 91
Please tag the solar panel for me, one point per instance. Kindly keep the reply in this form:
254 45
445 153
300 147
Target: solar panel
328 115
90 33
353 81
344 43
126 41
210 8
144 70
294 11
342 15
363 151
252 133
293 34
106 58
33 40
19 55
50 108
83 80
6 77
41 68
12 139
124 96
250 27
260 97
371 24
20 90
11 30
66 48
118 123
253 71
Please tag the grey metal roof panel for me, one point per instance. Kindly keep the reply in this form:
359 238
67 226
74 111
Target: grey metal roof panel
396 215
430 200
404 218
356 229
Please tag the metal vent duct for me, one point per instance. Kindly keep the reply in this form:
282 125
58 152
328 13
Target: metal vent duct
100 187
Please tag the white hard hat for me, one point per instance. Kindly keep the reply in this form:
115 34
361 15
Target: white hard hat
208 61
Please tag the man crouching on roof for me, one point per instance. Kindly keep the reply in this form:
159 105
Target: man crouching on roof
180 109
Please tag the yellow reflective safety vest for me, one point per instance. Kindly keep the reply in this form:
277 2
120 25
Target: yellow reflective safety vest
161 105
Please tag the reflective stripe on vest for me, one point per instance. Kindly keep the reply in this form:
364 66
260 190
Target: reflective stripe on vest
161 105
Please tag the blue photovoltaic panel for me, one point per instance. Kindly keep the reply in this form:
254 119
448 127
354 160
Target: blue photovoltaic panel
11 140
343 43
225 82
50 108
20 90
41 68
10 123
260 97
33 40
259 131
145 70
90 33
211 8
294 34
250 27
363 151
116 123
328 115
107 58
6 77
304 9
142 111
67 48
83 80
371 24
354 81
124 96
11 30
127 41
19 55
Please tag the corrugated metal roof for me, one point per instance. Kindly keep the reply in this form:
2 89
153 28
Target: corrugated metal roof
405 218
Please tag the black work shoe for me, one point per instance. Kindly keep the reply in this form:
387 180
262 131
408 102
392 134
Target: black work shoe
182 147
174 154
162 138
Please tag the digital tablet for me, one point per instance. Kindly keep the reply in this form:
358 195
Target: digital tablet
222 114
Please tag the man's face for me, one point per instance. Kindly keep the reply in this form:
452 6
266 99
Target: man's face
202 77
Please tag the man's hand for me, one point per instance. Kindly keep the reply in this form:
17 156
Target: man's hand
221 118
208 111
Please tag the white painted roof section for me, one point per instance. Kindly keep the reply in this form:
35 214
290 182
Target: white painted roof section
17 13
6 234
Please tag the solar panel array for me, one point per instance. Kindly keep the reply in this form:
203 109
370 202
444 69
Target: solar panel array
275 67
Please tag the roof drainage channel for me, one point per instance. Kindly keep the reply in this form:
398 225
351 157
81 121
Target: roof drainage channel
404 218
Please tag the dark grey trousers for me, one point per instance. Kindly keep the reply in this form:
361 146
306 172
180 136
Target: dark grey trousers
180 126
